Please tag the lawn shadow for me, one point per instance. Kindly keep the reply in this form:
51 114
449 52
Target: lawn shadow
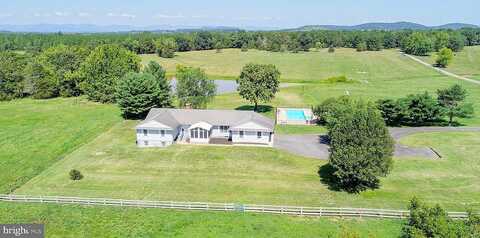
325 172
260 109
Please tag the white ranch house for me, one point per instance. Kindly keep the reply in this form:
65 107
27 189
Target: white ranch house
163 127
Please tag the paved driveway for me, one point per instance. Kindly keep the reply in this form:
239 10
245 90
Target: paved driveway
316 146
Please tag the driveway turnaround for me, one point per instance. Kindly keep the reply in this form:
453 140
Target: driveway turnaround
316 146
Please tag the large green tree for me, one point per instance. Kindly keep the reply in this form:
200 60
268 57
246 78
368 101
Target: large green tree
194 89
44 83
63 61
158 72
360 145
418 43
166 47
137 93
452 100
103 68
12 76
444 57
258 83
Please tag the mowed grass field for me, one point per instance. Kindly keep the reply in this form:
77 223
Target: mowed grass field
300 67
115 168
465 63
77 221
377 75
37 133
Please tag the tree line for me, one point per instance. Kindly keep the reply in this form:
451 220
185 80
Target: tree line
412 42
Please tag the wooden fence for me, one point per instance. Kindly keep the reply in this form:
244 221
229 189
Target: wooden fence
231 207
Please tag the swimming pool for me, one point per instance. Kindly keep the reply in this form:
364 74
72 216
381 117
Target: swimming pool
295 114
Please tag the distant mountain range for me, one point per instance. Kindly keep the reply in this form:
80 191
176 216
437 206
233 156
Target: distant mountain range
384 26
90 28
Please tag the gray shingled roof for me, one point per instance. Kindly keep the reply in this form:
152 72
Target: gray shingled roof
175 117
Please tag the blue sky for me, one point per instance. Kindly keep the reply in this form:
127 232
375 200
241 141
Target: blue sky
262 13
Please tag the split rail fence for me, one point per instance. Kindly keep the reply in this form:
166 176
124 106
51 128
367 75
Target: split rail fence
228 207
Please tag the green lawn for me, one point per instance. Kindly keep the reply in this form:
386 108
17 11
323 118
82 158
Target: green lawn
37 133
383 74
83 221
114 167
465 63
301 67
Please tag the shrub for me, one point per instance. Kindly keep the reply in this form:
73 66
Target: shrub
394 112
331 49
360 144
75 175
362 46
444 57
426 221
338 79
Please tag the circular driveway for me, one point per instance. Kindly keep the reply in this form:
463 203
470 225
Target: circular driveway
316 146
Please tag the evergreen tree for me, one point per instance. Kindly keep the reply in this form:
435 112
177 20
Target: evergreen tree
137 93
452 100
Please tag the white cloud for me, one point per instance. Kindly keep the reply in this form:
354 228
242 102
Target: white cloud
125 15
62 14
40 14
83 14
169 16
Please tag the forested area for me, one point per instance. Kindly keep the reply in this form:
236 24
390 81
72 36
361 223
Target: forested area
51 65
150 42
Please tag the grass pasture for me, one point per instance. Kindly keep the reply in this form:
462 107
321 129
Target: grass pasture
465 63
114 167
84 221
377 75
300 67
37 133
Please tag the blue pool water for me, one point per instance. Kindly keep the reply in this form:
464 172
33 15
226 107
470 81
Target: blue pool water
296 115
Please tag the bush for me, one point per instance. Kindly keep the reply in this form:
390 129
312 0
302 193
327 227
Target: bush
444 57
331 49
362 46
360 144
338 79
414 110
426 221
75 175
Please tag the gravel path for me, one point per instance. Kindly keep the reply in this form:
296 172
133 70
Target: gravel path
442 70
316 146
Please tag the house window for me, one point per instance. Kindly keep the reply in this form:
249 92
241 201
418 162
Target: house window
162 133
241 134
259 134
145 132
199 133
224 129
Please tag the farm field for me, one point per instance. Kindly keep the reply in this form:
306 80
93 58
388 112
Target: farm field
465 63
377 75
78 221
115 168
37 133
301 67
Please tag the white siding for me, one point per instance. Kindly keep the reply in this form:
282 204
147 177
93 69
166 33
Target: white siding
216 132
155 137
252 137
